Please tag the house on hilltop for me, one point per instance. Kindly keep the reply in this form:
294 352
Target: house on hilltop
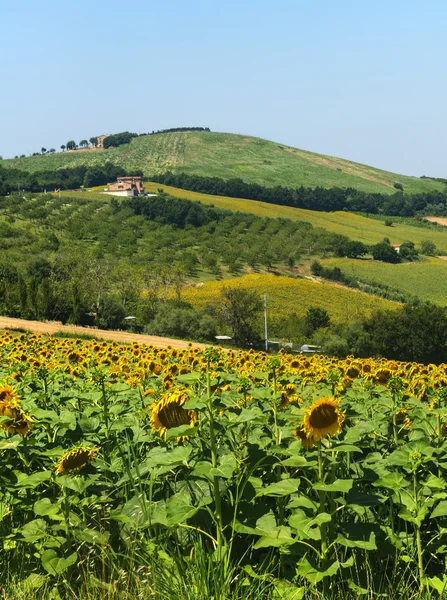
127 186
101 138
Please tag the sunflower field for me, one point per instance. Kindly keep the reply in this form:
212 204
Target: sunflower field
136 472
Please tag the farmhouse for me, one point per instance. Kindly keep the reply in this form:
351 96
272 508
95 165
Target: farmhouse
396 247
101 138
127 186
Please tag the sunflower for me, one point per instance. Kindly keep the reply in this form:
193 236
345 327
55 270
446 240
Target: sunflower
306 442
169 413
8 394
18 420
322 418
75 460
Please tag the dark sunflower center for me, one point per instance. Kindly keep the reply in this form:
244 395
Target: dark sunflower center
76 461
173 415
323 416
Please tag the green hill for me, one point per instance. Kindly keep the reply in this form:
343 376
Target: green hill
229 155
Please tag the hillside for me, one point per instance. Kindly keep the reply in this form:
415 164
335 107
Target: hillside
287 296
354 226
426 279
229 155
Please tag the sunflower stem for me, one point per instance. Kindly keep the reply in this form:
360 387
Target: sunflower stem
66 509
216 488
323 529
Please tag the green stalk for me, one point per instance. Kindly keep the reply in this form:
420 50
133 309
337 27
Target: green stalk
216 489
418 538
66 510
323 527
275 410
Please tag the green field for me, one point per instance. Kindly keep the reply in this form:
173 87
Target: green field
229 155
356 227
426 279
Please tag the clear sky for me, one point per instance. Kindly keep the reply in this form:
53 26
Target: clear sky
359 79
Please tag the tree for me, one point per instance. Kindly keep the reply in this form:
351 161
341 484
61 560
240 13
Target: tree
51 151
240 309
352 249
83 143
316 268
415 332
43 150
384 252
63 147
71 145
407 251
315 318
93 141
428 248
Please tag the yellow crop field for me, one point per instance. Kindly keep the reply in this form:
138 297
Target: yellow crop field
426 279
287 296
144 463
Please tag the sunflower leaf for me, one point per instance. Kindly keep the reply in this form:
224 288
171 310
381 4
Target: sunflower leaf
182 430
339 485
55 564
280 488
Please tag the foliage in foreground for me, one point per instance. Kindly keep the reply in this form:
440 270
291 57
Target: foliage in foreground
240 475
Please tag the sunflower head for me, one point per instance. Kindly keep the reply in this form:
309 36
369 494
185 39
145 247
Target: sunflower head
322 418
18 421
8 394
306 442
75 460
169 413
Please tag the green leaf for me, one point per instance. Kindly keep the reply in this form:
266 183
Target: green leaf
284 590
182 430
284 487
226 467
406 515
28 481
363 544
33 582
295 461
45 507
391 481
55 564
339 485
308 527
11 443
344 448
435 483
302 502
440 510
77 483
281 537
314 575
246 415
189 378
440 585
34 530
179 508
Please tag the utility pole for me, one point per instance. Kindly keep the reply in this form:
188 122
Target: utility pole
265 323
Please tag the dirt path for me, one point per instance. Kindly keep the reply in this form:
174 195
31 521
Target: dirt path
119 336
439 220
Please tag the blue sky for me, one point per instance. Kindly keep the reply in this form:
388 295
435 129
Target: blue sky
362 80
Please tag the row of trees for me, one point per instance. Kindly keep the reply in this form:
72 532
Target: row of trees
116 139
322 199
64 179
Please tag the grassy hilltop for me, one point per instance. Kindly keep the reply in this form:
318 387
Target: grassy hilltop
229 155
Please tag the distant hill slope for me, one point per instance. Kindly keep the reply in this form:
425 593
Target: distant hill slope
229 155
287 296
